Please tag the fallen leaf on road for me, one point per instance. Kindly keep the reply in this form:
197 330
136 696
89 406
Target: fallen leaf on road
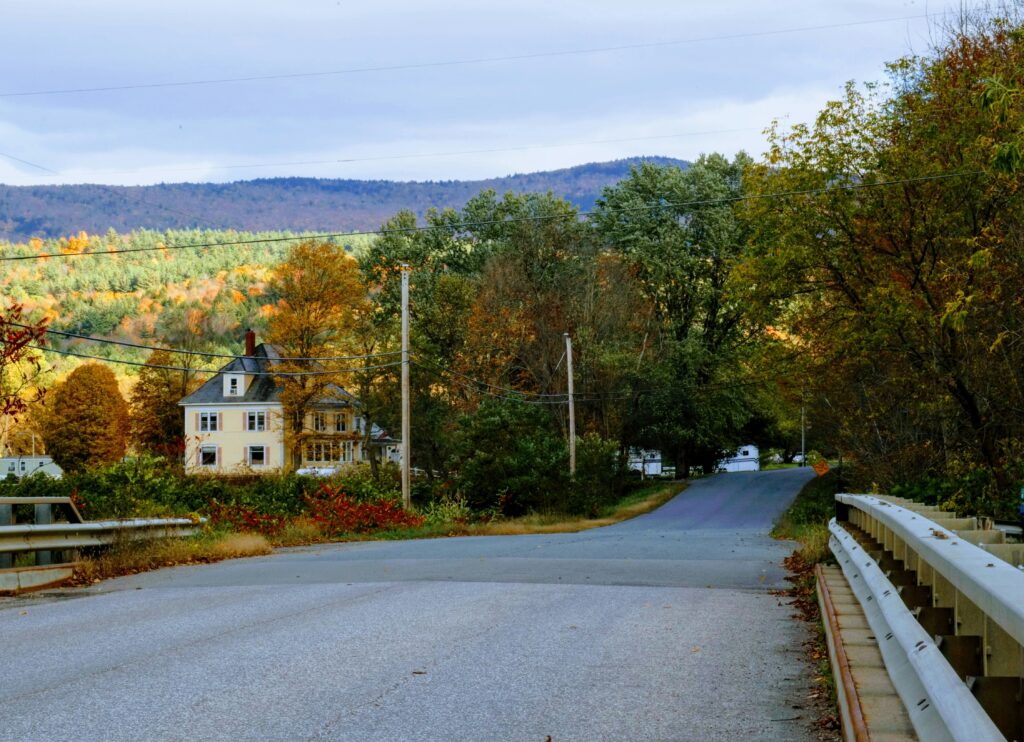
419 672
695 650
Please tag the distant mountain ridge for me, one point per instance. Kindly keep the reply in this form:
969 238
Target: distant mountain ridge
296 204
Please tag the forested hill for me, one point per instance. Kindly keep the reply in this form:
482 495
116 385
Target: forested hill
297 204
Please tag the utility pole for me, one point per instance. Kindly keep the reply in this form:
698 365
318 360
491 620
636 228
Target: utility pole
406 447
572 408
803 432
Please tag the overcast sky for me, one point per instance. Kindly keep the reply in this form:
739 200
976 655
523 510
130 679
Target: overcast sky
701 75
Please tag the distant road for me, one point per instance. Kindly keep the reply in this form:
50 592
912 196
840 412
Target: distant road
659 628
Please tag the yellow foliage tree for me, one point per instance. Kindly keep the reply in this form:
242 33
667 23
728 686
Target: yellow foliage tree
320 294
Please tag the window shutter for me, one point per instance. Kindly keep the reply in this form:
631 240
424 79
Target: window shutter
197 422
218 457
245 453
245 420
220 421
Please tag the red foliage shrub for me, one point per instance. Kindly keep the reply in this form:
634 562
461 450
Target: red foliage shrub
243 519
336 512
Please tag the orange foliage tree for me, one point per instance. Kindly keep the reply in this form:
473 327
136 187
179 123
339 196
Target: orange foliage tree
86 423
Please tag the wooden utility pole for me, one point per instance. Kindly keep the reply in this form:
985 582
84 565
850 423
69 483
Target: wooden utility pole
572 407
803 431
406 447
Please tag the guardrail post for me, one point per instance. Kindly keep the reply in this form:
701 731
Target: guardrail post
43 513
6 519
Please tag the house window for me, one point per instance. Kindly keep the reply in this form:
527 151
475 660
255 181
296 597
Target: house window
233 386
256 421
340 423
22 465
208 456
10 467
207 422
319 422
257 455
321 452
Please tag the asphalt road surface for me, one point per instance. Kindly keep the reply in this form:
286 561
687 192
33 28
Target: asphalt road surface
659 628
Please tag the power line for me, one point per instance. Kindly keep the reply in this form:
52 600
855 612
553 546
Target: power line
485 384
30 164
205 354
513 220
470 61
326 372
474 387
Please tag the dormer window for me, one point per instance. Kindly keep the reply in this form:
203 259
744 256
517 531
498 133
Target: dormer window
233 386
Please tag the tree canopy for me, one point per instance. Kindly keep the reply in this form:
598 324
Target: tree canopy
86 423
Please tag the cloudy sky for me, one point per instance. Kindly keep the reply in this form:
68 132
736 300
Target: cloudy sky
409 90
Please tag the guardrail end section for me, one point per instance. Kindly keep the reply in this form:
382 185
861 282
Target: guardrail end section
26 579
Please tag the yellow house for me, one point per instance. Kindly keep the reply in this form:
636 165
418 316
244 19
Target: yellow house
233 422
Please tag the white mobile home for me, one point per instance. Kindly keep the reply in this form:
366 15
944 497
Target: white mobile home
744 458
645 461
26 466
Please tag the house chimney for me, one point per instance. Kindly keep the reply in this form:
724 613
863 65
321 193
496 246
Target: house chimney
250 343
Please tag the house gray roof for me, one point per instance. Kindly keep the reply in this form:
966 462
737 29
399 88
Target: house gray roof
264 387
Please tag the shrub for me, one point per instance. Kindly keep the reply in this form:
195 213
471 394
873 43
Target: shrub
359 483
336 512
449 510
600 478
248 520
511 445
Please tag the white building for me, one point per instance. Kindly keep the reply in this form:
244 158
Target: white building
645 461
744 458
26 466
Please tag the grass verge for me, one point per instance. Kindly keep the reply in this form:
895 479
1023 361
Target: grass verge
132 557
806 520
641 501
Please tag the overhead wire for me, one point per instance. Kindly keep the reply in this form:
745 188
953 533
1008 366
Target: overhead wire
205 354
484 383
474 60
169 367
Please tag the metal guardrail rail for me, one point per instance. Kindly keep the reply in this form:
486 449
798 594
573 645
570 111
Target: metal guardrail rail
56 545
948 613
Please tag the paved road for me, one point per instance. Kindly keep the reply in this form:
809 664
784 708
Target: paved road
660 628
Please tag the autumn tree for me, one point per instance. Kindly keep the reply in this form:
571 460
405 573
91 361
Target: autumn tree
897 276
319 297
157 422
20 365
86 424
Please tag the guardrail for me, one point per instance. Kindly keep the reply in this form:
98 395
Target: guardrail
55 546
946 610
